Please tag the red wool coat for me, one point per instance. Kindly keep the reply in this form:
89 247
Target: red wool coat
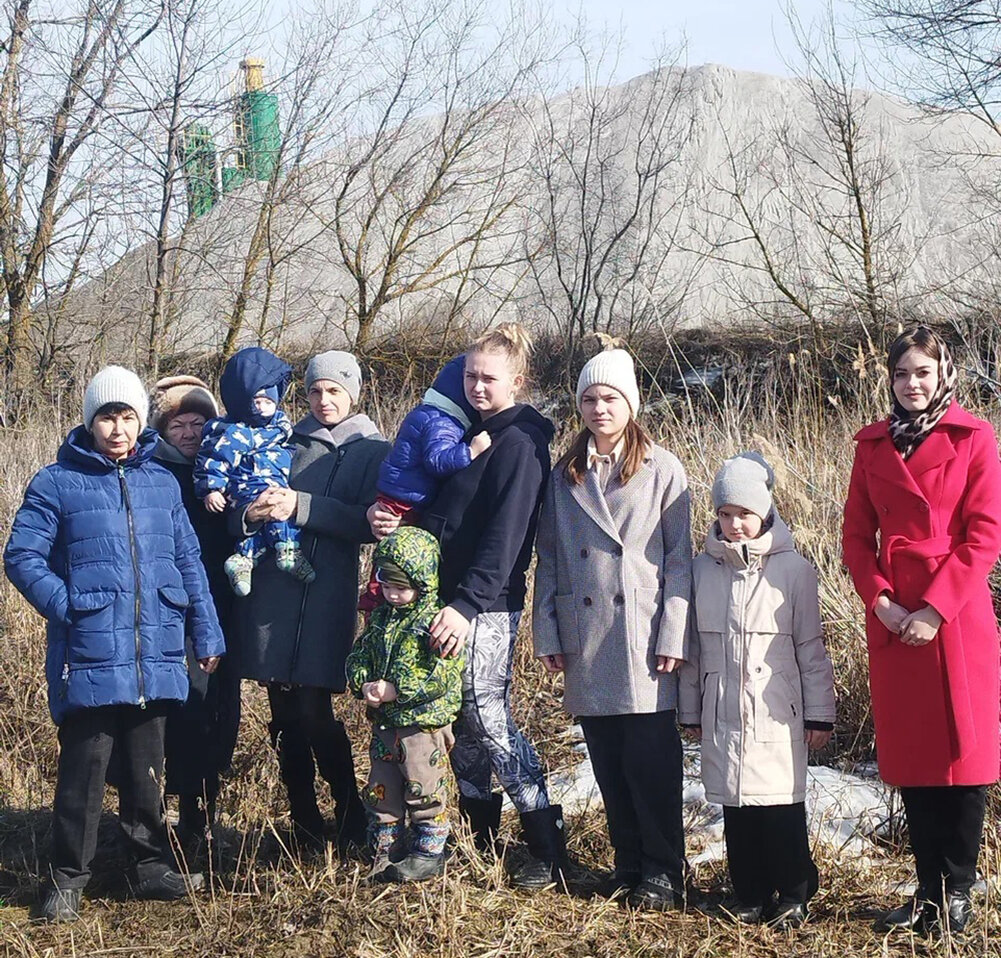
938 519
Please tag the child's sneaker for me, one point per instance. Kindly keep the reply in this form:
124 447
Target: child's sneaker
239 569
289 558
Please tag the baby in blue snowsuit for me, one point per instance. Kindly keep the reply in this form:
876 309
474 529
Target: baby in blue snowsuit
429 447
246 452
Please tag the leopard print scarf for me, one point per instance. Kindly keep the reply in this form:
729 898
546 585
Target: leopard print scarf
909 429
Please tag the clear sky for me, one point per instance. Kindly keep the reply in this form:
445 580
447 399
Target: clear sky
743 34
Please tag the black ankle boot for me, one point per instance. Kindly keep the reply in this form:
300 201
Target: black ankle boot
546 842
918 915
483 816
958 912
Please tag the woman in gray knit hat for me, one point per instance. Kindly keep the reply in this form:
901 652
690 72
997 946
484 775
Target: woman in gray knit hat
298 635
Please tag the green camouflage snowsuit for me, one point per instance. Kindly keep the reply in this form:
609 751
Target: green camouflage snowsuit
411 735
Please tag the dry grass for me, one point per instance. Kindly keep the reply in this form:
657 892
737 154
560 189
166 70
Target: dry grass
265 902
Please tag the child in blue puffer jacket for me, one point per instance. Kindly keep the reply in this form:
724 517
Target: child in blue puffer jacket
245 452
102 547
429 447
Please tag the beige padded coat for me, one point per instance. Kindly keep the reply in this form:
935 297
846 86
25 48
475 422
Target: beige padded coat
613 584
757 668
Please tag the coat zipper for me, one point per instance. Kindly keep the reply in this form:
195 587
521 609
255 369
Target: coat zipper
137 612
312 556
740 672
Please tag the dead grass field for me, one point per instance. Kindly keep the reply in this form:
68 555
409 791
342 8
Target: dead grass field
262 901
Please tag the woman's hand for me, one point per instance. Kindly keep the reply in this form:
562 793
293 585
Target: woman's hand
283 504
667 663
692 732
381 521
260 509
817 738
448 631
554 663
209 665
920 627
890 614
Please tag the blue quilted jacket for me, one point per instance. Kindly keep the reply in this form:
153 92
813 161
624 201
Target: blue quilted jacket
105 551
429 446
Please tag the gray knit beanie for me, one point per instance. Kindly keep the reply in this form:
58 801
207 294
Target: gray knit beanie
611 367
337 366
118 385
746 480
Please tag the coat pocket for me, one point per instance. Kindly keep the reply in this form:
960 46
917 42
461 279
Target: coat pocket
647 608
712 706
92 627
173 604
778 708
566 623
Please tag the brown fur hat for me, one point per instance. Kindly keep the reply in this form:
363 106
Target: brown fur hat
176 395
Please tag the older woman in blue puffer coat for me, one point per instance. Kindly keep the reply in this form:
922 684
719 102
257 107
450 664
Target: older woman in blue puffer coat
102 547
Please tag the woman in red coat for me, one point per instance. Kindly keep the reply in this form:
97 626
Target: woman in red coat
922 530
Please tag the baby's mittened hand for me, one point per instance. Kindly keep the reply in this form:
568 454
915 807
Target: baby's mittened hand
215 501
481 442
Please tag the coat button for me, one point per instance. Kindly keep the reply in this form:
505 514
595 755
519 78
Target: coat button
583 553
924 507
587 600
757 668
620 599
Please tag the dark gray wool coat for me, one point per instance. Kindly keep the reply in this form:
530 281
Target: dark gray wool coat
300 634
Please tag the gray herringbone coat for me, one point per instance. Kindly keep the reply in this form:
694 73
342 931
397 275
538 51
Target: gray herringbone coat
612 585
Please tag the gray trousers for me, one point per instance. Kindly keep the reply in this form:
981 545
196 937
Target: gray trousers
408 773
486 738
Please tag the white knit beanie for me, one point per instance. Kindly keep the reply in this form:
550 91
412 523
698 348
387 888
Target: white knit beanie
115 384
614 368
746 480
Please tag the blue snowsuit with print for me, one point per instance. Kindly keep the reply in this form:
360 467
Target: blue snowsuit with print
243 453
429 445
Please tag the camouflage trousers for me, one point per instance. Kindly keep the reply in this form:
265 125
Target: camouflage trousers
409 773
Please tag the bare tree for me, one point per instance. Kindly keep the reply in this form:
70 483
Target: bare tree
58 77
607 165
426 198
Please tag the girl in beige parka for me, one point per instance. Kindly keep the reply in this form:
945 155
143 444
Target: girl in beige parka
758 689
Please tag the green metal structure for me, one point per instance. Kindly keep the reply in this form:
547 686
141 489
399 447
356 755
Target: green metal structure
258 134
198 160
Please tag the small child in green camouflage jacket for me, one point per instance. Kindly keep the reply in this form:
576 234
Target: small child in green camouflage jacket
413 696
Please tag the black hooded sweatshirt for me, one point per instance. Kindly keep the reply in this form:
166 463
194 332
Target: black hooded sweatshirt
485 515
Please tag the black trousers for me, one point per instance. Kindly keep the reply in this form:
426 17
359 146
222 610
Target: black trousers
306 736
637 764
945 824
86 739
768 851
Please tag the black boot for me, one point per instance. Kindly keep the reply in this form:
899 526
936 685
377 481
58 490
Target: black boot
352 824
484 817
546 842
957 913
295 763
918 915
58 905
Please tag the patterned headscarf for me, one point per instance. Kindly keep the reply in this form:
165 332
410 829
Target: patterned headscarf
909 429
